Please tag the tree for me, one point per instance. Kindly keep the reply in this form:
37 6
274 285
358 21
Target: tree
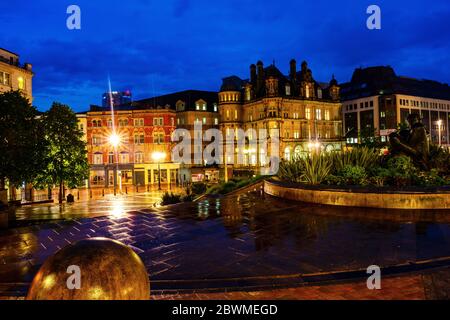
21 144
66 158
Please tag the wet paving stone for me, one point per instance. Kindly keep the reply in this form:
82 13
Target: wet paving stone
230 237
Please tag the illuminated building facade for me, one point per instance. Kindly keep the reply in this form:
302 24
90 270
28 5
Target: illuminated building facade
15 76
144 129
306 113
142 133
376 100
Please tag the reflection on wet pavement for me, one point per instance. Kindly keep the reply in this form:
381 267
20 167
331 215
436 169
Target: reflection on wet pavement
240 236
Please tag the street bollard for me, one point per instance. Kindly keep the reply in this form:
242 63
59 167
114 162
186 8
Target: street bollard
103 192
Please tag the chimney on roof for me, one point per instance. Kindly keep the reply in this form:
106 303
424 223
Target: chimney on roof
293 69
252 74
260 76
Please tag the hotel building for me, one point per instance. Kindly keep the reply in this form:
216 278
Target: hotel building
376 100
306 113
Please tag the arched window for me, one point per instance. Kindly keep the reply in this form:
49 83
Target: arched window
287 154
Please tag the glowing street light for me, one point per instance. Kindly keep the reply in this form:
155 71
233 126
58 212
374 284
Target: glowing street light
158 157
114 140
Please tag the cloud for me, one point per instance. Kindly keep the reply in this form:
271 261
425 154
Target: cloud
156 47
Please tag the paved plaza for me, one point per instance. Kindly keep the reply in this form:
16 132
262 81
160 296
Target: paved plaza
247 242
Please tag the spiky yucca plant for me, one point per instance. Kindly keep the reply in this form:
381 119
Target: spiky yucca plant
291 171
316 168
361 157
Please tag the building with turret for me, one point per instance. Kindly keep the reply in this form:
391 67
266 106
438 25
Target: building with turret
307 113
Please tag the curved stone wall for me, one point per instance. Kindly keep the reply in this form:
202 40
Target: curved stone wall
391 200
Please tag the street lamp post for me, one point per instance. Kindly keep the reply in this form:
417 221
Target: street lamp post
114 141
439 123
157 157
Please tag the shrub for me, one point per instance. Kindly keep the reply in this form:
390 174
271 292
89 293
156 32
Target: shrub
170 198
292 170
379 176
440 159
198 188
317 168
430 178
402 170
334 180
354 175
360 156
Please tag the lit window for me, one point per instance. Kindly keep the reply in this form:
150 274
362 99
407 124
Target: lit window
288 90
158 138
139 157
287 154
139 122
5 78
139 138
235 114
216 121
98 158
158 121
327 114
308 113
124 158
215 107
318 114
96 140
20 83
111 157
204 120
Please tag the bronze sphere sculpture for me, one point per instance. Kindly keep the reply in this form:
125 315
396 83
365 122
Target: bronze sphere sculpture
92 269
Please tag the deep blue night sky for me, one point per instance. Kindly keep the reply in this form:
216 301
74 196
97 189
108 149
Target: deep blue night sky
156 47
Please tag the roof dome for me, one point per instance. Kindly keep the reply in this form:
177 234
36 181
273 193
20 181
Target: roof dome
232 83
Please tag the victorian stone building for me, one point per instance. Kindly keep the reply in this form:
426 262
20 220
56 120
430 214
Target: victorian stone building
14 75
306 113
